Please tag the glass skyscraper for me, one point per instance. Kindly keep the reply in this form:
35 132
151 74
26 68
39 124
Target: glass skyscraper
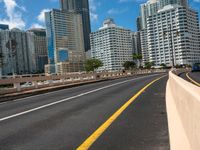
4 27
81 7
65 42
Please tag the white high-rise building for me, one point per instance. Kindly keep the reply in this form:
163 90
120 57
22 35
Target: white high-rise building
147 9
112 45
170 34
182 44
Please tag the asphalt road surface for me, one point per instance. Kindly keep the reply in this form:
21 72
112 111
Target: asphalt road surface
193 77
63 120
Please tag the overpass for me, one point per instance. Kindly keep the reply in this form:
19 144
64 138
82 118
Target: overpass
122 111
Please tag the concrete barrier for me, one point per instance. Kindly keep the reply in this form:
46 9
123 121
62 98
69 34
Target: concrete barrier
183 109
36 82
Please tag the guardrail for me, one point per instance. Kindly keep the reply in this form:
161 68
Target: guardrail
21 83
183 109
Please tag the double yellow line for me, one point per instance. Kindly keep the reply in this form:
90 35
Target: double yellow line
195 82
92 138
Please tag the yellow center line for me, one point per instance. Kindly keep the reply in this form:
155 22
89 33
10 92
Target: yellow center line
94 136
195 82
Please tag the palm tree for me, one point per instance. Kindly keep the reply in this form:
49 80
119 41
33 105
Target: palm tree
129 65
138 58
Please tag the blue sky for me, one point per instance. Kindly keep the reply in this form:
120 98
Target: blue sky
25 14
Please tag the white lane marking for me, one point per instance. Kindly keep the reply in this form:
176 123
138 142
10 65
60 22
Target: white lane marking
3 103
73 97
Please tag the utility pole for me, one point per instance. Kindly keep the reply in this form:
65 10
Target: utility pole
172 49
170 31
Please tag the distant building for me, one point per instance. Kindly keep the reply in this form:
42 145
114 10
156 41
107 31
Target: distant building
66 51
17 52
169 33
139 26
144 46
40 45
163 3
184 37
112 45
136 42
4 27
80 7
147 9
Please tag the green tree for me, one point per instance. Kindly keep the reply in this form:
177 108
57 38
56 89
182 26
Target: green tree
163 65
93 64
138 58
148 65
129 65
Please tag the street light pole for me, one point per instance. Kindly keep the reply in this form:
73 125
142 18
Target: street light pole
171 43
172 49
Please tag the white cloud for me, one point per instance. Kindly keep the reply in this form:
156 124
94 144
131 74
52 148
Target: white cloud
138 1
41 16
116 11
93 16
40 19
36 25
93 7
198 1
14 14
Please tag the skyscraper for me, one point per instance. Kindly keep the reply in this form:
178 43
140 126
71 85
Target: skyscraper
169 33
163 3
4 27
81 7
40 45
181 44
112 45
17 53
65 42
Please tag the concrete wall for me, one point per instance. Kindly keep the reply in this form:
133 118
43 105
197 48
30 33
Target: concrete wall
40 81
183 108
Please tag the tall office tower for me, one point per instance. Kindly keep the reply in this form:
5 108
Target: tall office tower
16 52
112 45
81 7
65 42
40 46
182 44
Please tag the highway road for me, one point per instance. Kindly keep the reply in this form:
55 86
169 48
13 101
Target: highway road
121 114
193 77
